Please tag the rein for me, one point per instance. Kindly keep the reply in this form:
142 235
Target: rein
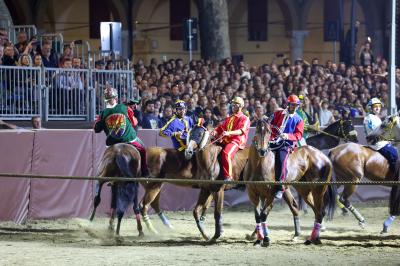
212 142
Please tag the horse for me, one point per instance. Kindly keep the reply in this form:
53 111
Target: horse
307 164
331 136
205 154
352 161
120 160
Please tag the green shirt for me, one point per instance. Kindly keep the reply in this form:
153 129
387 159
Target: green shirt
115 123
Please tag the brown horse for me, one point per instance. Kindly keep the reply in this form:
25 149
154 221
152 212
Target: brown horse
307 164
120 160
351 162
205 154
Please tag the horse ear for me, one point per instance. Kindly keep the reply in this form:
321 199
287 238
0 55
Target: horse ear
200 122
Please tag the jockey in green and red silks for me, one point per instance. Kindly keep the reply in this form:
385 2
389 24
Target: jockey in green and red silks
117 121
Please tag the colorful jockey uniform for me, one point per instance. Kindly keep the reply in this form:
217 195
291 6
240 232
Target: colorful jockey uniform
233 142
117 121
179 123
373 122
304 117
291 126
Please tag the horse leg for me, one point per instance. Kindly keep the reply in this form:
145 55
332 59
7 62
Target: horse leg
266 208
136 210
387 223
344 199
255 200
113 207
219 206
311 197
201 202
151 193
291 202
156 207
97 199
205 208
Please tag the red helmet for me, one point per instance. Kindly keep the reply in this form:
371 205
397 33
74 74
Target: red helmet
293 99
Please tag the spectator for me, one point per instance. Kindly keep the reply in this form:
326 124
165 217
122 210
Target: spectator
150 120
22 41
366 56
259 115
166 116
36 122
325 115
49 57
37 61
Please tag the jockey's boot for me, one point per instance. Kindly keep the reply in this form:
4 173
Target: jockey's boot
279 190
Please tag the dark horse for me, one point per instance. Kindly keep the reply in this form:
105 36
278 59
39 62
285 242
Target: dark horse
120 160
330 137
351 162
307 164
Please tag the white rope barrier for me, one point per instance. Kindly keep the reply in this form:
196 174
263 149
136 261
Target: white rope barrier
200 182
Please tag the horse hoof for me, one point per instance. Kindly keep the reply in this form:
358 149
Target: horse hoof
345 212
362 224
308 242
317 241
266 242
295 238
257 243
212 241
141 234
250 237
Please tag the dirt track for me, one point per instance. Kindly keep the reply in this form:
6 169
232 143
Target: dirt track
77 242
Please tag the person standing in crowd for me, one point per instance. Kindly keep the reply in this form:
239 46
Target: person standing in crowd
234 131
117 122
150 120
325 115
166 116
178 126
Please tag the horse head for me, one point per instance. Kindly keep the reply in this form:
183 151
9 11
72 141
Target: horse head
344 130
196 140
261 137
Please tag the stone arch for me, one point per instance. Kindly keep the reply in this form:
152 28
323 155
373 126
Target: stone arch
5 15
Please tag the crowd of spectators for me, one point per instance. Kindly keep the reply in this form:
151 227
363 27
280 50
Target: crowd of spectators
327 90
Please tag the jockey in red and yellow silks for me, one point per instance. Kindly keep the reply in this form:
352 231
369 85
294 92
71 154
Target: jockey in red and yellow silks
235 131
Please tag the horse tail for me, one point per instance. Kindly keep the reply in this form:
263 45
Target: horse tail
128 166
331 193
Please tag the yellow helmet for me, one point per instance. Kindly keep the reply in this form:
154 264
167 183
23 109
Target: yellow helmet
238 100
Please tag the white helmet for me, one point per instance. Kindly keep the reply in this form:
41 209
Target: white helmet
374 101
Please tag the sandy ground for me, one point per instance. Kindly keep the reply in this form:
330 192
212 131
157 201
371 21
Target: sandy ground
79 242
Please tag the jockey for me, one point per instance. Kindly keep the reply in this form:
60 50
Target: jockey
234 131
303 115
372 122
178 126
117 121
291 126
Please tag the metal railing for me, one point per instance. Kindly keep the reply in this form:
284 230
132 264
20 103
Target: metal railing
20 92
59 93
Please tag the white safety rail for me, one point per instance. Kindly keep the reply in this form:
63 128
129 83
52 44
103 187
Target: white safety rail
81 49
20 92
122 80
66 94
